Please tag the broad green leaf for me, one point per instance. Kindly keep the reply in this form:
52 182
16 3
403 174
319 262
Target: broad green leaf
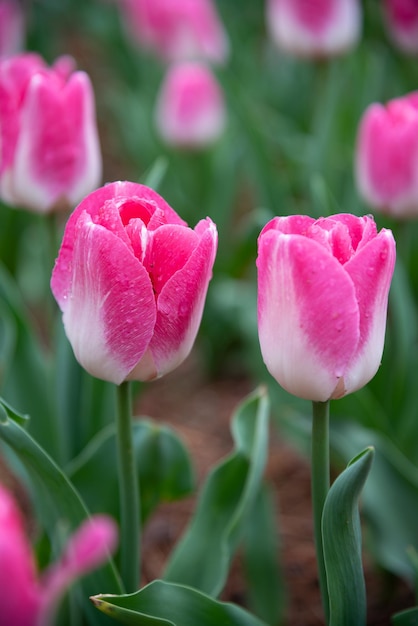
58 504
342 544
391 510
167 604
406 618
266 587
164 468
202 557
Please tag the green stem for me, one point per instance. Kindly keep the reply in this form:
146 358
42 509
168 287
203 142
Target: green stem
320 487
130 559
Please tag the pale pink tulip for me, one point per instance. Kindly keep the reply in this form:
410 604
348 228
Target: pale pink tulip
12 27
386 164
50 148
322 301
190 109
131 280
177 30
401 18
30 599
314 28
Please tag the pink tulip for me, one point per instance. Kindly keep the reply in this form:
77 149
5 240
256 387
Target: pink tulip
131 280
401 17
322 299
177 30
190 109
314 28
50 148
12 27
386 164
32 600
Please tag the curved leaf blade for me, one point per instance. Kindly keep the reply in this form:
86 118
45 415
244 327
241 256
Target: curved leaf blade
167 604
224 503
342 544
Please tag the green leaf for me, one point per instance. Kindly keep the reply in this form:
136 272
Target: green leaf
391 512
26 376
164 468
167 604
226 499
406 618
342 544
266 587
58 504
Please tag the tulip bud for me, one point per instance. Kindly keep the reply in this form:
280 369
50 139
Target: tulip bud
50 148
401 18
131 280
386 164
317 28
190 110
177 30
322 300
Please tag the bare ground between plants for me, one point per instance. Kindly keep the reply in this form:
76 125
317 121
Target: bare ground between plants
200 410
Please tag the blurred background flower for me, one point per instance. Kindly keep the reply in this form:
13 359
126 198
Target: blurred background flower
314 28
190 110
387 156
401 19
50 147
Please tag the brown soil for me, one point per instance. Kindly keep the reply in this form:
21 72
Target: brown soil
200 409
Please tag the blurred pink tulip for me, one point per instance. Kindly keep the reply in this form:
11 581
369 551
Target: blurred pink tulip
12 27
314 28
190 110
401 18
30 600
177 30
50 148
322 300
131 280
386 164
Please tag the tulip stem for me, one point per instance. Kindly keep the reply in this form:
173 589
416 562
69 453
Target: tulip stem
320 487
130 559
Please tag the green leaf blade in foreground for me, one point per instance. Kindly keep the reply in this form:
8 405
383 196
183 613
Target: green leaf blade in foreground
167 604
342 544
224 503
58 503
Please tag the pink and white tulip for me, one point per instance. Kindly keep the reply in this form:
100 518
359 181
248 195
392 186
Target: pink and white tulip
401 17
50 148
131 280
12 27
177 31
314 28
190 109
322 301
386 164
30 599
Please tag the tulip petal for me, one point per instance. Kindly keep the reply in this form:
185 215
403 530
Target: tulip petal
308 315
57 153
371 272
107 301
181 300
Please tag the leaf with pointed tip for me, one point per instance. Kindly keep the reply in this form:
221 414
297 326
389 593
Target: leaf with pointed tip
342 544
167 604
409 617
225 501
